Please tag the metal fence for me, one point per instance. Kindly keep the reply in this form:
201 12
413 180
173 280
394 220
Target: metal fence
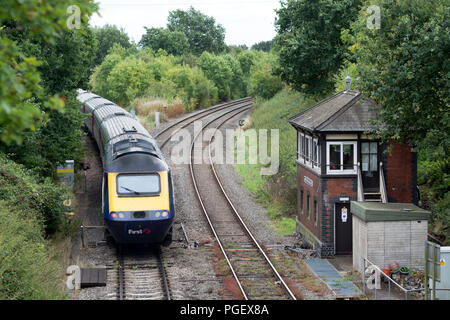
391 282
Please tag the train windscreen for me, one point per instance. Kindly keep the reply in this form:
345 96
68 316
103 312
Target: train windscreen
147 184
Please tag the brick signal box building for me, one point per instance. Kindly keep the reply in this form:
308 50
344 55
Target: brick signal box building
339 162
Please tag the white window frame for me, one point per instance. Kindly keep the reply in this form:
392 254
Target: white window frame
315 142
304 140
355 157
300 137
308 142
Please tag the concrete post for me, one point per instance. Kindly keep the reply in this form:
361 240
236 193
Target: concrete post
157 119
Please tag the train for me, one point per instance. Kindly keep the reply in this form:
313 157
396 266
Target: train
137 189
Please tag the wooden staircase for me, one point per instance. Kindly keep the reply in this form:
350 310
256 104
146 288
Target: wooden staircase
372 195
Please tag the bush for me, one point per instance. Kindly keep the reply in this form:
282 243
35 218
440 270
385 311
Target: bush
219 72
31 197
263 83
433 179
98 80
27 270
129 79
280 190
59 139
193 87
123 77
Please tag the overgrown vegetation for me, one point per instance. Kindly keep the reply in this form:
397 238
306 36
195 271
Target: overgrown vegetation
308 41
126 75
403 65
42 62
278 192
29 209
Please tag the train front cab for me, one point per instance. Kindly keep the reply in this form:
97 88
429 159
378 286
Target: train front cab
138 207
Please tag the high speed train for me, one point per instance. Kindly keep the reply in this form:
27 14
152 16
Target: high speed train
137 189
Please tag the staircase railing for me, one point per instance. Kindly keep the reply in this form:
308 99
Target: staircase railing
360 184
382 185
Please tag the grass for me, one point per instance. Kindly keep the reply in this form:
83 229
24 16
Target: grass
277 193
146 107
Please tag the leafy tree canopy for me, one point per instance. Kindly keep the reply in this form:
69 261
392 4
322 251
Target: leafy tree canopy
173 42
107 36
265 46
405 67
308 41
201 30
22 97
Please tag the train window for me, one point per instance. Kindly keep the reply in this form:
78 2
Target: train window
145 145
135 185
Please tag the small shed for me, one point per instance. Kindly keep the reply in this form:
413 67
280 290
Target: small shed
388 232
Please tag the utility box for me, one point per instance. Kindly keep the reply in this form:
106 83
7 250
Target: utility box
443 287
388 232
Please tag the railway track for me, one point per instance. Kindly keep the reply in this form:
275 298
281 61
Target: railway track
165 135
255 275
143 276
139 276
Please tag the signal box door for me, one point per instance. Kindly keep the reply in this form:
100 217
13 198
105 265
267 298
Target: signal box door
343 229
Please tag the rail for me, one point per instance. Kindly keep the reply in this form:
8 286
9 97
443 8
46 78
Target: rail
208 111
162 270
209 220
272 267
212 227
383 185
360 184
127 289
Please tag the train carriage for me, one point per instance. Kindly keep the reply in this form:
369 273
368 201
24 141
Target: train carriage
137 189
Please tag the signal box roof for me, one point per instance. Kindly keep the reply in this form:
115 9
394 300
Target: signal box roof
347 111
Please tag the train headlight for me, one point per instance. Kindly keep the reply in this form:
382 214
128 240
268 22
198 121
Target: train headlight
114 215
157 214
165 214
121 215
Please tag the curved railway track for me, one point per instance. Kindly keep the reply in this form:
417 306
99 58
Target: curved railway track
175 127
144 276
255 275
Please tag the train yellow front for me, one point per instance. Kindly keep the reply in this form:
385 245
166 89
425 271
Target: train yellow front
137 190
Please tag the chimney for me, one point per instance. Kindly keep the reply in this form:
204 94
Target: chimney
348 81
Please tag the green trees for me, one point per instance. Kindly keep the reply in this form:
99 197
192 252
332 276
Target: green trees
64 66
404 67
173 42
21 93
262 82
187 32
129 78
265 46
217 69
201 31
124 76
107 36
308 42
